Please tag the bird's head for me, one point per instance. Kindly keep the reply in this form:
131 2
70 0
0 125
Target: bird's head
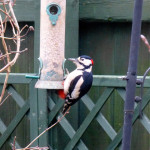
83 62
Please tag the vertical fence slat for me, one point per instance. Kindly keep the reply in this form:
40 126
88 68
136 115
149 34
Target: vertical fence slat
36 35
72 28
43 118
33 112
54 109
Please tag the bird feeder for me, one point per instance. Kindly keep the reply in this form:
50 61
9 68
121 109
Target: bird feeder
52 43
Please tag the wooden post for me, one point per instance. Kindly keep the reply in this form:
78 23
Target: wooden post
52 43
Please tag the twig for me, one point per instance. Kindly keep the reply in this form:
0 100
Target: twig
5 99
14 143
17 38
36 148
8 60
13 52
5 20
45 130
4 44
13 2
21 36
8 16
144 39
8 63
4 87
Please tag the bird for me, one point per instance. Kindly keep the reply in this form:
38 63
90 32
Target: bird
78 82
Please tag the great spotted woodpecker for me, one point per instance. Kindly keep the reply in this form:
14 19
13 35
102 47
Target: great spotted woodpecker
79 81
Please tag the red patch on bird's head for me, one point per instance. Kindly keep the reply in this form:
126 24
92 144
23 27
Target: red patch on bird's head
92 62
61 94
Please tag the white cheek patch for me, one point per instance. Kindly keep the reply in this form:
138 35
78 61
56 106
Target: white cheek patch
69 79
76 91
87 62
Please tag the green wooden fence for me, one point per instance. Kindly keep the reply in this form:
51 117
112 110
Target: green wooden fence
38 118
93 120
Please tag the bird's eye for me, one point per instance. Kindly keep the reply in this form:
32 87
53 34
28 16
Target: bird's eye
82 59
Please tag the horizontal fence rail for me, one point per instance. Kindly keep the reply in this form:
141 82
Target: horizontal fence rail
115 81
99 80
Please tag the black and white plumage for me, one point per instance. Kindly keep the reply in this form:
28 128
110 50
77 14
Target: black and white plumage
79 81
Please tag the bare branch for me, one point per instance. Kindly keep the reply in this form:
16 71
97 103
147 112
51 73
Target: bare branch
14 143
8 62
144 39
28 146
21 36
36 148
11 63
5 99
13 52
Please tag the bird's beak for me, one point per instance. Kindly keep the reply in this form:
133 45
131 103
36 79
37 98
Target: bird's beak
73 60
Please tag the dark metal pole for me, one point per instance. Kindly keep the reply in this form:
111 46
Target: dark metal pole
132 75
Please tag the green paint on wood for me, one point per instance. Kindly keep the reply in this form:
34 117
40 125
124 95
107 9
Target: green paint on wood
104 10
118 138
33 96
55 110
14 123
25 10
3 128
108 44
100 118
42 116
110 10
65 125
16 96
19 89
37 36
89 118
72 28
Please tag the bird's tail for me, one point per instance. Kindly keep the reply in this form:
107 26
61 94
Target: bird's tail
65 107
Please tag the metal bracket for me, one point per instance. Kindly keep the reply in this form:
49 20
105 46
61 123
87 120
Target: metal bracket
139 81
129 74
53 10
125 78
63 67
39 74
138 99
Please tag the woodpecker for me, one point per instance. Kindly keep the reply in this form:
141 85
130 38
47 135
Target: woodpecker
79 81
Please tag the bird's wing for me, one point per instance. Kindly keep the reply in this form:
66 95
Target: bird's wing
88 78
